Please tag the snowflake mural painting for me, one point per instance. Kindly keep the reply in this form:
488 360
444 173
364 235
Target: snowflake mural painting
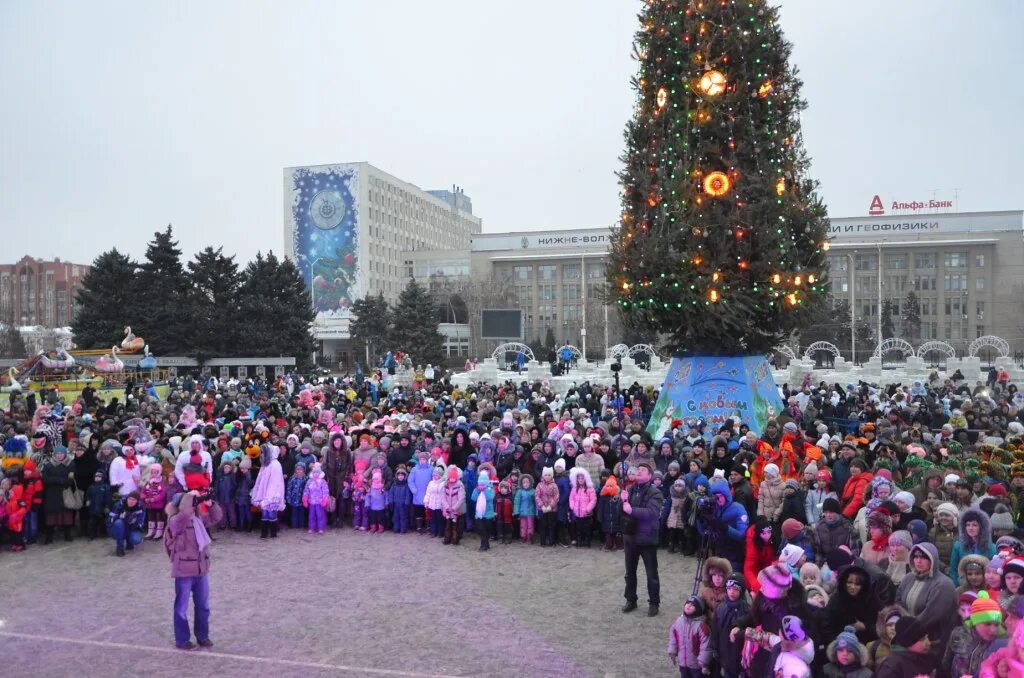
322 212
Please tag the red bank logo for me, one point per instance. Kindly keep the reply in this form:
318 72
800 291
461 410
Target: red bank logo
876 207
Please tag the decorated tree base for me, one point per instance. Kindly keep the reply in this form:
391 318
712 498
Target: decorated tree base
716 388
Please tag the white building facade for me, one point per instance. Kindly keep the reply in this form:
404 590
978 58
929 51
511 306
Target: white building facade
346 227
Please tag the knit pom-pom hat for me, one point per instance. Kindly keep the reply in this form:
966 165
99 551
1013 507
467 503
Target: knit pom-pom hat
775 580
985 610
847 640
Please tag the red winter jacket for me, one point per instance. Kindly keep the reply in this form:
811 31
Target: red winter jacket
853 494
503 508
15 513
756 559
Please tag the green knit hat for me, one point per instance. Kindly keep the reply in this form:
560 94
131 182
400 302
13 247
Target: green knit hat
984 610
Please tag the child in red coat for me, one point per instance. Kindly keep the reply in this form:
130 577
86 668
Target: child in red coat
16 509
503 512
32 488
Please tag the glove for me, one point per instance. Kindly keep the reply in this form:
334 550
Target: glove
305 502
324 502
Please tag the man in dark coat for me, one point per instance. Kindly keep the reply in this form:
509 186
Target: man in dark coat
742 492
641 512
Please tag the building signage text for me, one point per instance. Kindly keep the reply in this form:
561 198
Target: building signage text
877 208
568 240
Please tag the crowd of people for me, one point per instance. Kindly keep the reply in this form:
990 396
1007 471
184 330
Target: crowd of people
865 531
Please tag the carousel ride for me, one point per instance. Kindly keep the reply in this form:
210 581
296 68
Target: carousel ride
73 370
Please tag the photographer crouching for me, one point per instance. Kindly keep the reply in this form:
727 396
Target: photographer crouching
187 543
722 524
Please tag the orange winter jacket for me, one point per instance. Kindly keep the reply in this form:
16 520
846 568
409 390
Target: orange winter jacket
853 494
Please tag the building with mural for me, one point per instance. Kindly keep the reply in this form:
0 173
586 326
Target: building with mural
348 227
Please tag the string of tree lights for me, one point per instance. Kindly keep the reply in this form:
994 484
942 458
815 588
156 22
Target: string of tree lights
722 240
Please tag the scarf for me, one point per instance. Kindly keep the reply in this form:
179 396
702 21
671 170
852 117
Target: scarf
202 536
130 462
481 505
880 543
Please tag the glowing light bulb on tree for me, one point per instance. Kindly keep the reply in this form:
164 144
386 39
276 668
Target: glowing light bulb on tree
712 83
662 97
717 184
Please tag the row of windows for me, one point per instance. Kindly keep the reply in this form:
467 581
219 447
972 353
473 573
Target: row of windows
551 313
956 308
550 292
926 260
867 284
550 272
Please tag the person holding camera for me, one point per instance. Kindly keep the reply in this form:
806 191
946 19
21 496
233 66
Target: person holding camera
725 524
187 543
641 514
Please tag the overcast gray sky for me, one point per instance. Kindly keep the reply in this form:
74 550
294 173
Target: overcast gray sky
119 117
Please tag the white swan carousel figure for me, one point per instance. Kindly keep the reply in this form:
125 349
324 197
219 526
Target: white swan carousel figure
63 361
15 384
109 363
130 342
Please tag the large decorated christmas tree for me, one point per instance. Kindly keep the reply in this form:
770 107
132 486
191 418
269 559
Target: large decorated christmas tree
721 246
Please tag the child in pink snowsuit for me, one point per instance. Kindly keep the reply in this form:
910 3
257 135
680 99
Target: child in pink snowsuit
316 497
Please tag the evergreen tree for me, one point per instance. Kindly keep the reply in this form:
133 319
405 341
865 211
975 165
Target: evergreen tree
550 343
372 323
912 317
540 351
107 290
11 344
415 326
160 311
722 237
213 299
831 323
888 324
276 317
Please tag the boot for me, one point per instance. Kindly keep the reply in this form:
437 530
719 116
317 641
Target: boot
419 526
264 529
609 542
152 529
458 534
273 530
618 541
67 533
689 545
49 537
159 532
447 532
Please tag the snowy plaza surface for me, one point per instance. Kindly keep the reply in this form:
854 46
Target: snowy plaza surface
343 604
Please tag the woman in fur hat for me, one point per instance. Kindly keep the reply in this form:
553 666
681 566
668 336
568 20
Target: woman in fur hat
716 572
885 627
853 605
975 539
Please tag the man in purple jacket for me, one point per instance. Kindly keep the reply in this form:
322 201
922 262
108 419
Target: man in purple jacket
188 545
641 513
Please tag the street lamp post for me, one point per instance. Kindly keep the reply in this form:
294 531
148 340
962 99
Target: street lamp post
853 321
